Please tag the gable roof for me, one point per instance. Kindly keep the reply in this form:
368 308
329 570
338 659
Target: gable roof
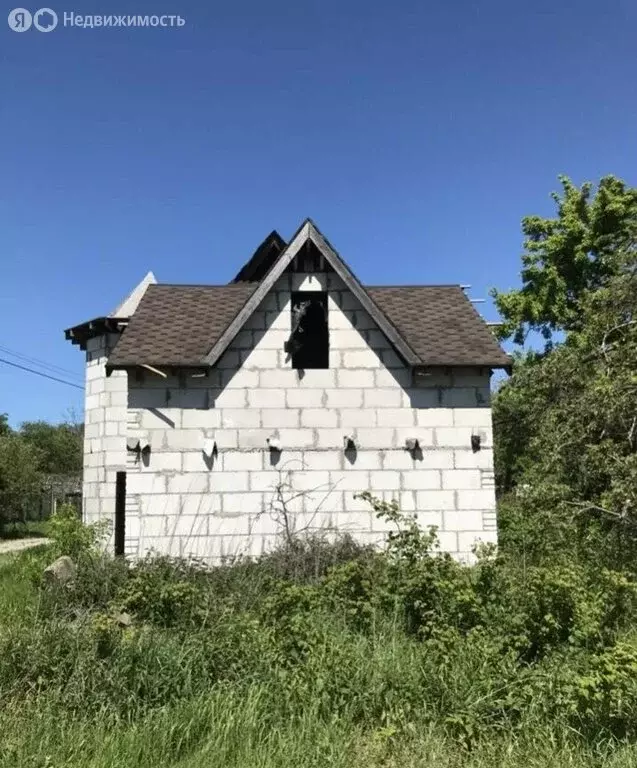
179 326
309 231
176 325
262 259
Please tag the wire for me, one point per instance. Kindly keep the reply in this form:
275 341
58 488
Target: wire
39 363
39 373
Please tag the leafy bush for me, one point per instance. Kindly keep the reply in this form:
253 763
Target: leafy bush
165 592
71 537
605 696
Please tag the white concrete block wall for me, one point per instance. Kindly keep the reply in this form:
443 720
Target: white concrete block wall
191 505
106 424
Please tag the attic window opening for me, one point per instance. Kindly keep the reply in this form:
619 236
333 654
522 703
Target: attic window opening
309 344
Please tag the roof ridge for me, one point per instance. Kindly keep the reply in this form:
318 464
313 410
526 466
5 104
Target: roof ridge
309 232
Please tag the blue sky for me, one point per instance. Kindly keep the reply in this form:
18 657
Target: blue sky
416 134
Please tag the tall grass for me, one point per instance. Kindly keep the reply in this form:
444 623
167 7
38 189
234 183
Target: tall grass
249 726
323 656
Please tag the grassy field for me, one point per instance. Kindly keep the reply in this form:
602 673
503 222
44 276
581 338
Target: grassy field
323 656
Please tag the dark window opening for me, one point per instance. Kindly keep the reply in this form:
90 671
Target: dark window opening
309 344
120 512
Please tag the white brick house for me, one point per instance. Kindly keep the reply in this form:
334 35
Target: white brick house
218 415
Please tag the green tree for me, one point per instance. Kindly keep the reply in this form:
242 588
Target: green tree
566 422
568 256
20 478
5 429
59 445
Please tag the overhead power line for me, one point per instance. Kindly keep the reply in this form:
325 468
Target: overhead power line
39 363
39 373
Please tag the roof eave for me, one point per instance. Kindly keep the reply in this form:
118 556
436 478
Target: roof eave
98 326
482 363
128 365
505 365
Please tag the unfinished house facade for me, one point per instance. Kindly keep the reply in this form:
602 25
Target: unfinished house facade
221 419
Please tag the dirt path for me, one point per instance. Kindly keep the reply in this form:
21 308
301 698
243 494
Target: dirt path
16 545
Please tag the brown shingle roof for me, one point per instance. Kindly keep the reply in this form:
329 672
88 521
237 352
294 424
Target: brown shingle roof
440 324
177 325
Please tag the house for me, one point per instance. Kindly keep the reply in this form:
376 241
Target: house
221 417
